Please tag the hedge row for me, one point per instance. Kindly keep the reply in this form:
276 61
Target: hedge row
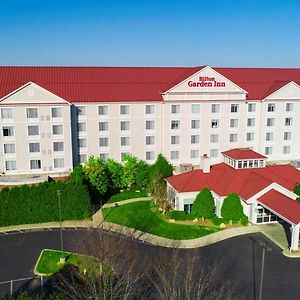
39 203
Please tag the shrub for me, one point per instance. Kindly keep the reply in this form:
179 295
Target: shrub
232 208
204 205
180 215
244 220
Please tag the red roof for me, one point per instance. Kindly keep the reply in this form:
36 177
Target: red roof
242 153
225 180
117 84
283 205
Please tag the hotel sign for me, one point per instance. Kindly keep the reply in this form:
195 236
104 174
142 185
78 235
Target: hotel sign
205 81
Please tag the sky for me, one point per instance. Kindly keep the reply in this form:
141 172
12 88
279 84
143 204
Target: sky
150 33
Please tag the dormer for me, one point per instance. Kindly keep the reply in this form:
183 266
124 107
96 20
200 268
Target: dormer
244 158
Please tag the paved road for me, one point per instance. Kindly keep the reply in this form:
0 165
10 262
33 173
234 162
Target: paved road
239 258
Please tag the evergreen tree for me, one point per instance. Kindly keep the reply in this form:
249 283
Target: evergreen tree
297 190
204 205
232 208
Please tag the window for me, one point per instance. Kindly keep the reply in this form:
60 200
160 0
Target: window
81 110
150 109
251 122
103 110
150 155
268 150
81 127
215 108
34 147
150 125
103 126
287 136
10 165
59 163
82 143
250 136
58 146
125 125
175 109
251 107
269 136
195 139
32 113
214 138
35 164
8 130
82 158
124 109
175 124
195 108
150 140
214 123
188 208
286 149
289 106
59 129
103 142
195 124
271 107
214 152
174 154
234 108
233 137
175 139
234 123
56 112
6 113
288 121
104 156
125 141
33 130
270 122
194 154
9 148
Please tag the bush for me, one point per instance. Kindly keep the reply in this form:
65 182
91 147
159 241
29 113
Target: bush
232 208
244 220
204 205
125 195
180 215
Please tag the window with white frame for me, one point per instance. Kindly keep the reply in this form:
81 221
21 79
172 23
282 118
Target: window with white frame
195 108
81 127
269 136
268 150
124 109
175 124
270 122
195 124
125 125
8 131
234 108
286 149
35 164
150 109
150 125
234 123
125 141
150 155
175 139
33 130
250 136
81 110
103 142
289 106
56 112
233 137
175 108
214 138
150 140
34 147
288 121
58 146
103 110
251 107
214 152
215 108
82 158
81 143
32 113
271 107
103 126
195 139
287 135
250 122
9 148
104 156
174 154
6 113
59 129
59 163
10 165
214 123
194 154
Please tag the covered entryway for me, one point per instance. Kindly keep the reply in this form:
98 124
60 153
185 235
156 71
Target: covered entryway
285 208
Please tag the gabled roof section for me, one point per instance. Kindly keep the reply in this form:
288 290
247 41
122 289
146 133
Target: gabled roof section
243 153
283 90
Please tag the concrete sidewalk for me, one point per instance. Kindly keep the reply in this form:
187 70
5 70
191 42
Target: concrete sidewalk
107 205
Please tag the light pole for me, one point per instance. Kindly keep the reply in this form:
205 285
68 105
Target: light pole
60 223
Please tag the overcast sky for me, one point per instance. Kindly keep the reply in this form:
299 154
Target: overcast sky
150 33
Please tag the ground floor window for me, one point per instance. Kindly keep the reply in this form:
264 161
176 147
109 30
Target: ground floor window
188 208
265 216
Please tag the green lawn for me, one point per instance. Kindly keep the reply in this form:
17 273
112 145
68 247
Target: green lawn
125 195
48 263
138 215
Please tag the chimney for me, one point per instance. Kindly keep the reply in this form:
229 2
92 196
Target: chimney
205 163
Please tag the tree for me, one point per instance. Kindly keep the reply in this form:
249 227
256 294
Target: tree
297 190
204 205
142 175
232 208
78 175
116 174
130 165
